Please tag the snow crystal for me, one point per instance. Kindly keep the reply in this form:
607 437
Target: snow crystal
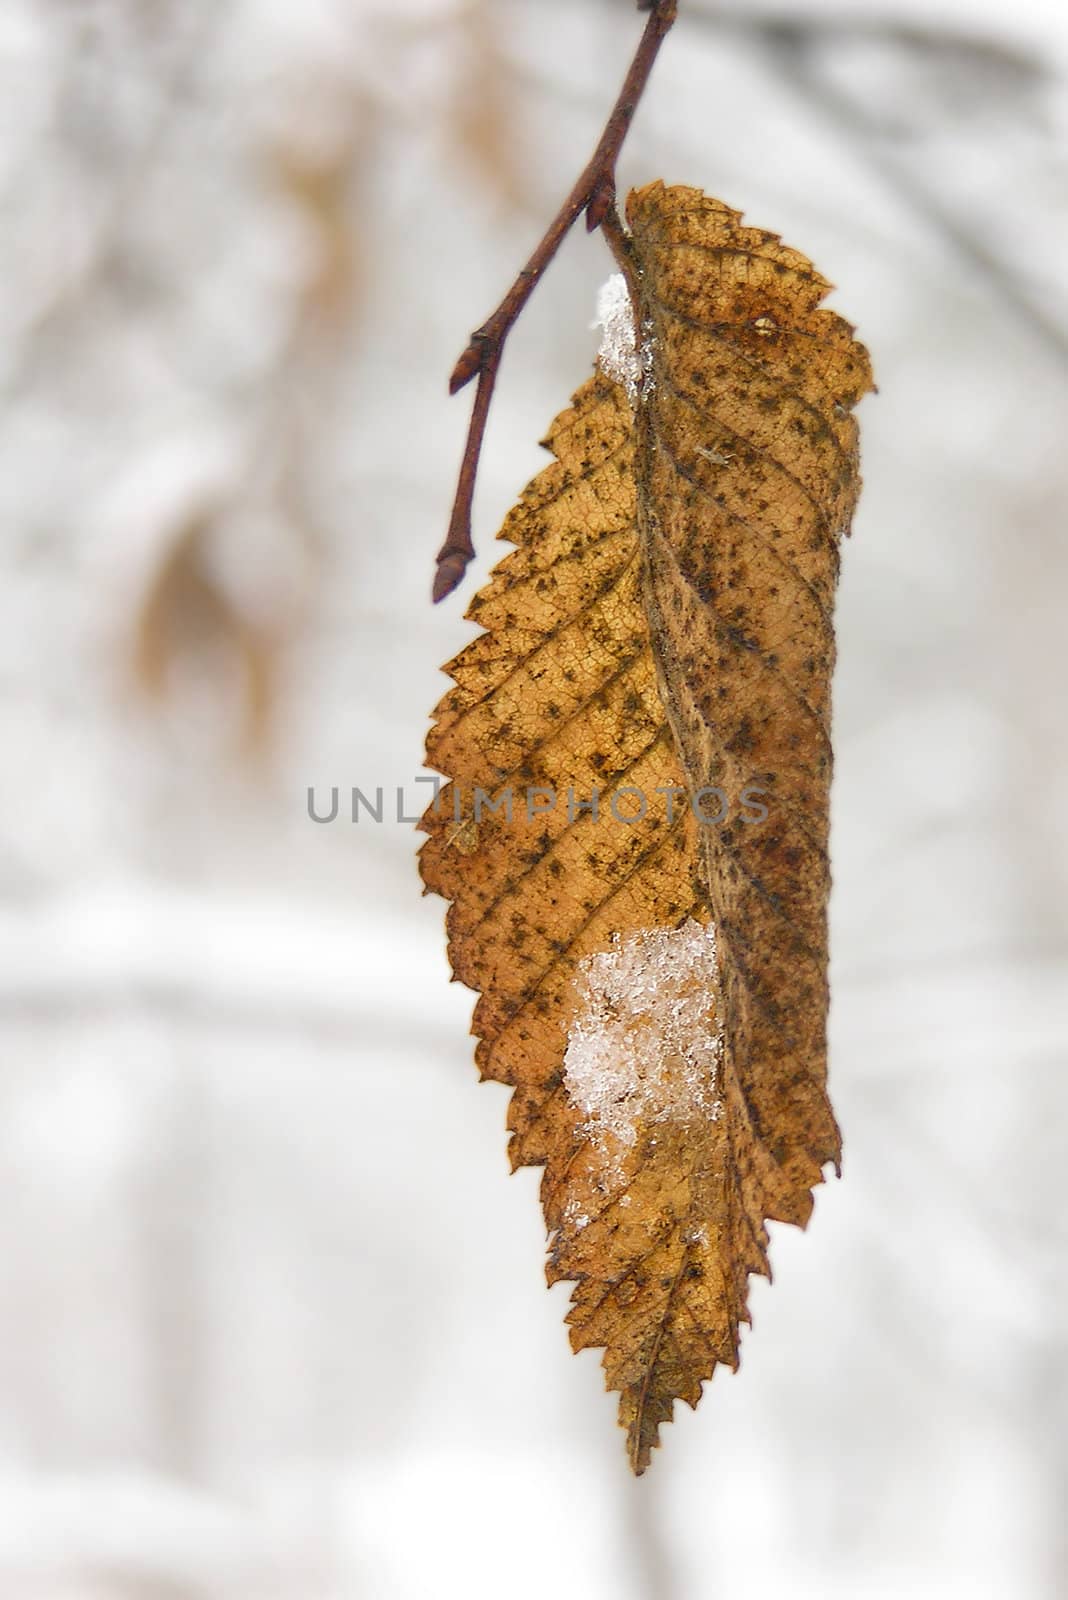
645 1043
620 357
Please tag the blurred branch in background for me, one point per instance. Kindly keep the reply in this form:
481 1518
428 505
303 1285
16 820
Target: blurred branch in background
979 64
108 181
899 81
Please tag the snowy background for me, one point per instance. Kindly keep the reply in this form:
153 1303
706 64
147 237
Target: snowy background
272 1316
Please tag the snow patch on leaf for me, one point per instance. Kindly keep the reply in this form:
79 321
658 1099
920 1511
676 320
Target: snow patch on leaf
645 1043
618 354
621 357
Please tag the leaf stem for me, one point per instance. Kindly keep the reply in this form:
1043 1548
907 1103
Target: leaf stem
594 193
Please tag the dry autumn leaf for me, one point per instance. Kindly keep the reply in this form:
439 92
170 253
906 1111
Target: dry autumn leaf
652 965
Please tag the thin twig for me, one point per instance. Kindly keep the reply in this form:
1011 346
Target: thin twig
594 193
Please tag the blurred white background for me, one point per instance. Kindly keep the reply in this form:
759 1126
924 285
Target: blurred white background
272 1317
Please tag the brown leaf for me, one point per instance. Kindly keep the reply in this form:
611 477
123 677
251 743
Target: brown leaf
186 616
655 989
323 180
482 124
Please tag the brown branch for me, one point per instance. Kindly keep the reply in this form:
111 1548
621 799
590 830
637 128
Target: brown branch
594 193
